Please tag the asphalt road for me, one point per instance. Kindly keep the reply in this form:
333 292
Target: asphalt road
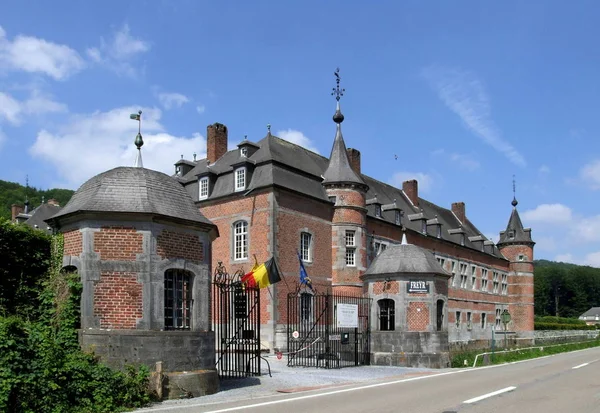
565 383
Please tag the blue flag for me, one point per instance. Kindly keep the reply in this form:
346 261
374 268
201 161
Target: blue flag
304 278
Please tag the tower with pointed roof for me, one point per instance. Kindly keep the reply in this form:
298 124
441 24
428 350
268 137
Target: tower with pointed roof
347 190
517 245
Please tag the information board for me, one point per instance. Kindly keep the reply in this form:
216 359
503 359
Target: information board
346 315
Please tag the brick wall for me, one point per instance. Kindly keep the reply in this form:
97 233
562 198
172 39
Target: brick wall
171 244
73 243
417 316
380 287
118 300
118 243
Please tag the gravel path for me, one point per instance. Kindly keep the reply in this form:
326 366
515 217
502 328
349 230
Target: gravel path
296 379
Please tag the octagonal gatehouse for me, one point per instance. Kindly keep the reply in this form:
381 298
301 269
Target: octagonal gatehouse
143 252
409 289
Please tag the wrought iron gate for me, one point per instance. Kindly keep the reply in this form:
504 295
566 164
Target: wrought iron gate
236 323
330 331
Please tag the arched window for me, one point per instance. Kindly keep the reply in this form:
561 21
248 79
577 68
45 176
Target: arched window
240 240
178 299
387 314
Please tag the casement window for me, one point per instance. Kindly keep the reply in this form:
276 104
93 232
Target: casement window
203 191
469 325
458 319
398 217
387 314
463 275
473 277
350 248
498 319
441 261
495 282
378 211
178 299
504 284
453 271
240 179
240 240
244 152
379 247
483 321
484 281
306 247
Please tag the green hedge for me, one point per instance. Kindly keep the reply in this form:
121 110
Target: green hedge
558 326
558 320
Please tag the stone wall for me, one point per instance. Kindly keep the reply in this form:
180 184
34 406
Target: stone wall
564 336
410 349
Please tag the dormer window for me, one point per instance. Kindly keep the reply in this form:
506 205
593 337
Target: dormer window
244 152
178 170
203 188
398 217
240 179
511 234
378 211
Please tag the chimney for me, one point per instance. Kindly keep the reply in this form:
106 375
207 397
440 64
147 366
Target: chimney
354 158
458 208
15 210
53 202
216 141
411 189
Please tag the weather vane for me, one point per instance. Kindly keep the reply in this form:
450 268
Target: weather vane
337 92
139 142
514 201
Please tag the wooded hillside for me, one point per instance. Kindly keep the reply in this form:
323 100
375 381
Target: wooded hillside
565 290
13 193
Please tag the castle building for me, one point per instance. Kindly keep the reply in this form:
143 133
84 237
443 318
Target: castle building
275 198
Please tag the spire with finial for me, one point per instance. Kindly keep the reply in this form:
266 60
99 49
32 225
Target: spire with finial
514 201
139 142
338 117
268 129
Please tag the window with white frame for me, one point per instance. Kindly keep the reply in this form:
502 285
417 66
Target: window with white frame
484 280
240 179
483 321
350 248
306 246
498 318
495 282
240 240
504 284
441 261
379 247
463 275
378 210
203 188
398 218
453 271
244 152
473 277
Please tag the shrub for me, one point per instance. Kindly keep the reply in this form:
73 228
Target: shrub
559 326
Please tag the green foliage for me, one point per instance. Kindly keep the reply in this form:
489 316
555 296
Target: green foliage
458 359
563 289
558 320
41 366
559 326
25 255
13 193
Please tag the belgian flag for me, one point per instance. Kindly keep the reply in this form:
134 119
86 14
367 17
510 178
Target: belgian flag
262 275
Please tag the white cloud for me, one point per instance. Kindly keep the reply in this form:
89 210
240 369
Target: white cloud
549 213
564 258
12 109
171 100
298 138
586 229
463 160
590 174
544 169
592 259
425 181
465 95
119 52
200 109
545 244
35 55
92 143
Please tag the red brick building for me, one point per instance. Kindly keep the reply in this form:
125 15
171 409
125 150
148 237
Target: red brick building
275 198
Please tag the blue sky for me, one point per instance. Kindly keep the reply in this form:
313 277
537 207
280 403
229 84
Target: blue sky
465 93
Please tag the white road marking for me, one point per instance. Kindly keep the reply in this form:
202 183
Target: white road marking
580 366
492 394
493 366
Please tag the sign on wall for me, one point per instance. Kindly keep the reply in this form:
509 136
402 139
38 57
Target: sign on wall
417 286
346 315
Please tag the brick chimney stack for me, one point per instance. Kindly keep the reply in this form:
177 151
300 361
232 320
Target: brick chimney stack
458 208
411 189
15 210
354 158
216 141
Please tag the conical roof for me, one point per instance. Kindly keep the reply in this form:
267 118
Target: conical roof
515 233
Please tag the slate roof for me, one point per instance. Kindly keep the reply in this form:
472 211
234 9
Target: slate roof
40 214
515 228
592 312
134 190
283 164
339 169
405 259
